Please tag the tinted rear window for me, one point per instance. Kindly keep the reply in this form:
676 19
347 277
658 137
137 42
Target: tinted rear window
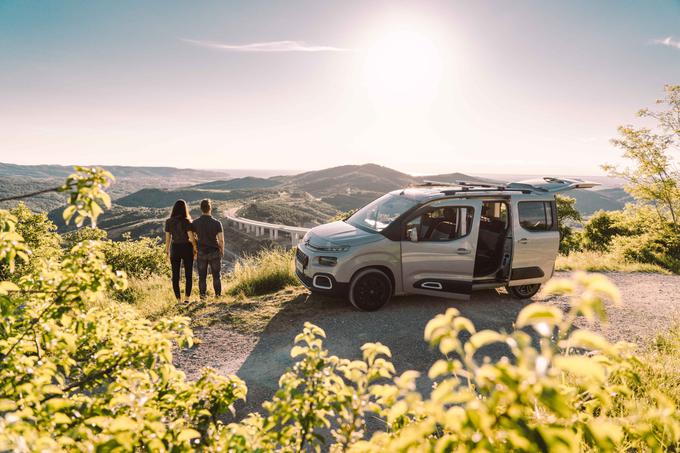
536 215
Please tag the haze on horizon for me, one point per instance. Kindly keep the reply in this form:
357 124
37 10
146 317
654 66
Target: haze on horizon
421 87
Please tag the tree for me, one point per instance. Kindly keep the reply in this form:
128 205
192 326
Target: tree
567 214
654 177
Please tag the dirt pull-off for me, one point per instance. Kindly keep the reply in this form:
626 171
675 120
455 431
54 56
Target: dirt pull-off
651 304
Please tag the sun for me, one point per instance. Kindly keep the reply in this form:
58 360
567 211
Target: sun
403 64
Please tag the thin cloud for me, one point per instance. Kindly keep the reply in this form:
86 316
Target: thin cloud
271 46
668 41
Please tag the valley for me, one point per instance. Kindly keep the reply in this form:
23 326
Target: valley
142 196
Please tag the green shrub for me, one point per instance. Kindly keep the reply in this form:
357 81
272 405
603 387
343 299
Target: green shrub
267 271
601 228
638 234
75 237
39 235
138 258
567 217
660 248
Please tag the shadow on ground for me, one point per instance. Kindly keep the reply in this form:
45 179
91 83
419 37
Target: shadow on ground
399 325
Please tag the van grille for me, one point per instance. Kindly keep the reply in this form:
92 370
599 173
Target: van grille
301 257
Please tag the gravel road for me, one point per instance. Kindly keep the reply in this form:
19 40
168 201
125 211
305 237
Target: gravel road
651 303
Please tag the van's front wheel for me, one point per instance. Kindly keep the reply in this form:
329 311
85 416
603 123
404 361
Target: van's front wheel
370 289
523 291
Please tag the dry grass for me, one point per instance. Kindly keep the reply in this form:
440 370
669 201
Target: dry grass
152 297
660 364
263 273
603 262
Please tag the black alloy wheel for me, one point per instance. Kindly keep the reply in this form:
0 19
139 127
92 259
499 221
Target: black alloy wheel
523 291
370 289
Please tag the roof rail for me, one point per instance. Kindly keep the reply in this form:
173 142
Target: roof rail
428 183
498 186
481 189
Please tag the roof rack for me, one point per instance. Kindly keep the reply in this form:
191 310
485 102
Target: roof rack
499 186
428 183
489 189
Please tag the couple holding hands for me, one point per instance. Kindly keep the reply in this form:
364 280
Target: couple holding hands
201 240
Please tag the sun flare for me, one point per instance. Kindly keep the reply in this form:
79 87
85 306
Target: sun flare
403 64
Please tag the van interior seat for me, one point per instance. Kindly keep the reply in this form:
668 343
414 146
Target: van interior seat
492 233
443 231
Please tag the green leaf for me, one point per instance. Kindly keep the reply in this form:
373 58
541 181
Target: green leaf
7 405
587 340
537 313
580 366
187 434
6 287
485 337
123 423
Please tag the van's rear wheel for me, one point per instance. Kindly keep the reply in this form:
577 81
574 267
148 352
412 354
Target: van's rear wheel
523 291
370 289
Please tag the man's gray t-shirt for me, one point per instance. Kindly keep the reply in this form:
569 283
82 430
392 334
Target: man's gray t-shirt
207 228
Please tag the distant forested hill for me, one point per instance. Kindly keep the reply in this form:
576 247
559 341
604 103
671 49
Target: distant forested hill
163 198
589 201
22 179
119 171
248 182
143 195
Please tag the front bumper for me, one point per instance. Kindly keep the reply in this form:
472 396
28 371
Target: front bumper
337 289
317 278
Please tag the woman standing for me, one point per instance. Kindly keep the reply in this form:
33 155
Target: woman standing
180 246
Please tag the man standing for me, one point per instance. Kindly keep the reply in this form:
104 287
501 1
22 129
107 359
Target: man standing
210 249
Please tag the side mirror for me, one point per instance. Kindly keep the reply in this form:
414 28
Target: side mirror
412 234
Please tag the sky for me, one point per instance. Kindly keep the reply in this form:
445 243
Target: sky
526 87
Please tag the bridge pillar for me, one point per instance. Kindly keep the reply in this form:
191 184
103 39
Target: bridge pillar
275 234
294 239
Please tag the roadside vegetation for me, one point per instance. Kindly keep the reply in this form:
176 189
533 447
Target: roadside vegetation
265 272
84 373
645 236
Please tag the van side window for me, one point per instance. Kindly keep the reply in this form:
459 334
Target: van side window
442 223
494 215
536 215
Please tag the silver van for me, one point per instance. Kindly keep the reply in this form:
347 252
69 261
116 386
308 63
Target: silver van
438 240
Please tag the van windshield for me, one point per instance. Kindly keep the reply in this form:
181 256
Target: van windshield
377 215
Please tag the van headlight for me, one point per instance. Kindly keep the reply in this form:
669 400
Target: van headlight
328 260
333 248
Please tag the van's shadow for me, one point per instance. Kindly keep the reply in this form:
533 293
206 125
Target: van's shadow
399 325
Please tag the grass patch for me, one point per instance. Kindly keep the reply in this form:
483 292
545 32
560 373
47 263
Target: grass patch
255 291
603 262
266 272
152 297
660 364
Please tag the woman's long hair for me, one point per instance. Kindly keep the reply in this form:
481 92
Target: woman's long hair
180 210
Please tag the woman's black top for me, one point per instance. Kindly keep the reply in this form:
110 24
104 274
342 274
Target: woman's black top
178 229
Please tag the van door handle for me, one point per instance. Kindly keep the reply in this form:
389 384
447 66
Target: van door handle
462 251
523 241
